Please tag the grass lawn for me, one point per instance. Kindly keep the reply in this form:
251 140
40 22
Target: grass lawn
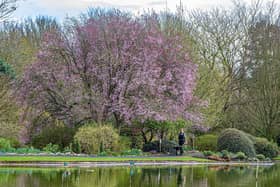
18 159
277 158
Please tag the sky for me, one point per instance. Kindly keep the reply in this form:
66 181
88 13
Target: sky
62 8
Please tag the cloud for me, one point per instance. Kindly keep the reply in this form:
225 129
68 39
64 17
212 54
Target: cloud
61 8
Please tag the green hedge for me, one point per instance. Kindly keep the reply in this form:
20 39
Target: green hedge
5 144
234 140
266 148
206 142
166 146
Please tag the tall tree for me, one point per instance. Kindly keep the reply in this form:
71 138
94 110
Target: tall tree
7 7
221 38
262 113
112 66
7 107
20 41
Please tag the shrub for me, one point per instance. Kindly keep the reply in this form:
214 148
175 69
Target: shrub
251 137
103 153
208 153
151 146
15 143
187 148
268 149
96 139
206 142
166 146
68 149
225 154
5 144
57 134
51 148
26 150
260 156
240 156
124 144
234 140
76 147
135 152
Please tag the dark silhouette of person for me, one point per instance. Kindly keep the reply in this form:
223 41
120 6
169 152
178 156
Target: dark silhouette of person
181 140
180 177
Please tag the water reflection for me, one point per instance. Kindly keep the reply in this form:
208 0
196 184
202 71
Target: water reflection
134 176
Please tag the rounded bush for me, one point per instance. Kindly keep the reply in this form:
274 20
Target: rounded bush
206 142
97 139
266 148
234 141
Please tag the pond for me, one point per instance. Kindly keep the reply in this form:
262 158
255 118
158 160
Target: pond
142 176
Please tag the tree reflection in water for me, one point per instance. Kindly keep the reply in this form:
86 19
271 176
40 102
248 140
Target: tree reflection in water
135 176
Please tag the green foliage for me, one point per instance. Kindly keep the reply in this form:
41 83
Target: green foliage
240 155
166 146
136 142
208 153
134 152
278 140
133 133
225 154
187 148
206 142
68 149
5 144
96 139
124 143
260 156
234 140
103 153
15 143
26 150
76 147
54 132
268 149
151 146
6 69
6 147
10 130
51 148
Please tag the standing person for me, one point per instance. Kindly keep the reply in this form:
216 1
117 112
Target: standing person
181 140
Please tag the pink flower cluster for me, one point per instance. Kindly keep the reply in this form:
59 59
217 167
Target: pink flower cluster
111 67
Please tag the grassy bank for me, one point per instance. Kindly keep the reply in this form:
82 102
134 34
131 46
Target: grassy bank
18 159
277 158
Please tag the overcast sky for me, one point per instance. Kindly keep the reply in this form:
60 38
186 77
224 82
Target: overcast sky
61 8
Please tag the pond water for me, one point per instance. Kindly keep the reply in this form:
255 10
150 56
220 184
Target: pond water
144 176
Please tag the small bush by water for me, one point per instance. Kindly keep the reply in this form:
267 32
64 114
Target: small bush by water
266 148
235 141
206 142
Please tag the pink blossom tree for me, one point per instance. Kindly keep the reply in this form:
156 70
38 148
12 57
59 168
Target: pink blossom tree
111 67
